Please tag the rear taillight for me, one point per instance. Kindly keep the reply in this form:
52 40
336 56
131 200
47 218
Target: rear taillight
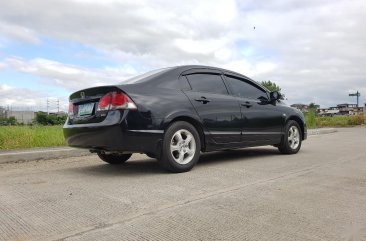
104 103
115 101
71 110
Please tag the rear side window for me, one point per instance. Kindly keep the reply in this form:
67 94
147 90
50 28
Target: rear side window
211 83
243 89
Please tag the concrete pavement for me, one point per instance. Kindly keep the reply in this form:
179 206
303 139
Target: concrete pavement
247 194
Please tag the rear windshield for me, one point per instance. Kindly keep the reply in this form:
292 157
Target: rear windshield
146 76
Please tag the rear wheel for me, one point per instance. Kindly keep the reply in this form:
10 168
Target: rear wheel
114 159
291 141
181 147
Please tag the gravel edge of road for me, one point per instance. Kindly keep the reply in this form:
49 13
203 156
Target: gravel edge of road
33 154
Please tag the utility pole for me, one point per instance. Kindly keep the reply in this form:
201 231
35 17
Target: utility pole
357 94
52 105
47 106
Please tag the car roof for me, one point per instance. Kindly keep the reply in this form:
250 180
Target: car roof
183 68
173 73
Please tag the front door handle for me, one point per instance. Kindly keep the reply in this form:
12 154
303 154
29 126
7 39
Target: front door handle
247 104
203 99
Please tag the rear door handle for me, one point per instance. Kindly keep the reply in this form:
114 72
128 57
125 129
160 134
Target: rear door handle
203 99
247 104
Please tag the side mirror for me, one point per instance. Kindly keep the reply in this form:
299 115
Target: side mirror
275 95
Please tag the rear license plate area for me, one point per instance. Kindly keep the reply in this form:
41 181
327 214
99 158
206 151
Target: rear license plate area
85 109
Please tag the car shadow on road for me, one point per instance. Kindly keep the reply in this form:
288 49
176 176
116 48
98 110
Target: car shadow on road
143 166
236 155
148 166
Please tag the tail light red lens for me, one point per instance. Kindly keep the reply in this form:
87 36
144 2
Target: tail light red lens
119 99
114 101
104 103
71 110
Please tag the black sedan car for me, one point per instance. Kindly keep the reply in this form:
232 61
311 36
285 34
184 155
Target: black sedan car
174 114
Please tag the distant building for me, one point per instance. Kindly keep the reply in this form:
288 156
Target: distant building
25 117
301 107
2 112
331 111
349 109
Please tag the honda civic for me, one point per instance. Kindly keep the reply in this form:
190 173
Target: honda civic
175 114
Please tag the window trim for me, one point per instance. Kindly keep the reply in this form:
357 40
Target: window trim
201 71
207 72
184 78
245 80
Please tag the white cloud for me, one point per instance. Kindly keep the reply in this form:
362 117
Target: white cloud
28 99
138 27
70 77
17 32
4 88
249 69
205 47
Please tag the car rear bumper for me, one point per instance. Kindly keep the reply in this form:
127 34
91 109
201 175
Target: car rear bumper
113 135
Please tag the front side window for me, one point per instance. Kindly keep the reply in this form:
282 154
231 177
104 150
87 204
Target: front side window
243 89
211 83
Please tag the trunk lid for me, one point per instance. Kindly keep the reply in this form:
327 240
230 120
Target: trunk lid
83 105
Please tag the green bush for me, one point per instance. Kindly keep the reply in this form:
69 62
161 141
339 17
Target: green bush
43 118
11 121
310 118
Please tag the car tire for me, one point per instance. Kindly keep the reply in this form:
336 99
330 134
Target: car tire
114 159
291 141
181 147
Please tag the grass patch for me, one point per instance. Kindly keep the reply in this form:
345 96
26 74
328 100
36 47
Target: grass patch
310 119
15 137
340 121
314 121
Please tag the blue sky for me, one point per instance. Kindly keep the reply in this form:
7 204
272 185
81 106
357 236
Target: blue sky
312 49
70 52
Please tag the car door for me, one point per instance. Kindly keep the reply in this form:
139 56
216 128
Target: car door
262 120
219 112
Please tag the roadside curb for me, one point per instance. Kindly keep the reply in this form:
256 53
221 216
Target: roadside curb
65 152
40 154
320 131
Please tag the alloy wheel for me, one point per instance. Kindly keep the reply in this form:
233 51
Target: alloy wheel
183 146
293 137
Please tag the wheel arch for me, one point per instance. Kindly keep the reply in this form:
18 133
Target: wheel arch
301 124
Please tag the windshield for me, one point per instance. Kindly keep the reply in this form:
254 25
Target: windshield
145 76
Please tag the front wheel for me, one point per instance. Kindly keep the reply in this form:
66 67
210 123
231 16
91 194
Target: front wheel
114 159
291 141
181 147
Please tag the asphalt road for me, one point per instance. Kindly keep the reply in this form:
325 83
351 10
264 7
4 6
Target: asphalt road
247 194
